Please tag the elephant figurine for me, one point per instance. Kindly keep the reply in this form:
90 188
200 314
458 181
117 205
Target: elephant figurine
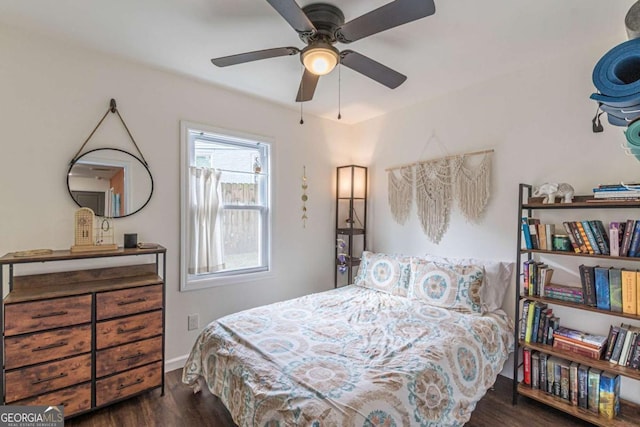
552 190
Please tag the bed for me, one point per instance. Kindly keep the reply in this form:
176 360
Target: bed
410 343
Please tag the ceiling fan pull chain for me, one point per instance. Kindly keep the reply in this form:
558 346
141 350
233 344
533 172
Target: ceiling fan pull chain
339 90
301 91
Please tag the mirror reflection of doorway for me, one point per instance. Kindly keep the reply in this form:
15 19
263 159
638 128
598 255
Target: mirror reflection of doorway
91 199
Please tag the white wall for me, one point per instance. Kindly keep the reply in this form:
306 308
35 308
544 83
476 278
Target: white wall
53 96
538 121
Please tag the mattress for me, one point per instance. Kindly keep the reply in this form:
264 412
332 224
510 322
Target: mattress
350 356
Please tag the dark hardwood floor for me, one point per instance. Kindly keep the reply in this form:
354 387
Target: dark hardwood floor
180 407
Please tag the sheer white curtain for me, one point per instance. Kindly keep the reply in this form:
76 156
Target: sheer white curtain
204 234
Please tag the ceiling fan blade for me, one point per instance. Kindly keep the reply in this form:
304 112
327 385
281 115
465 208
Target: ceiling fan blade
390 15
293 14
256 55
372 69
307 86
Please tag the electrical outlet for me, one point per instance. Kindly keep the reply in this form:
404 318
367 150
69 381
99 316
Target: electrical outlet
193 322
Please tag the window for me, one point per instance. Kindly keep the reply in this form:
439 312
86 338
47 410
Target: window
225 207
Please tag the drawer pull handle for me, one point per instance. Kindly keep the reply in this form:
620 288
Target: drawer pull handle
50 346
44 380
131 356
132 301
52 314
134 329
138 381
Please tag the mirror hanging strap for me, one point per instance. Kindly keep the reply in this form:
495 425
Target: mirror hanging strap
112 109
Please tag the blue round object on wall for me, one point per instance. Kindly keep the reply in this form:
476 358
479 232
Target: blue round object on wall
617 73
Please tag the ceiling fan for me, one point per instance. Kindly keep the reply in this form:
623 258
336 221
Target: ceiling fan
321 25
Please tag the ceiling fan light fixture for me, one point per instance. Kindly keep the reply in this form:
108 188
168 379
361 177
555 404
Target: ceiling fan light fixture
320 58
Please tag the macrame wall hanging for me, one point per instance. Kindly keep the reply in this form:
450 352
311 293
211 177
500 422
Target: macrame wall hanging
401 193
437 182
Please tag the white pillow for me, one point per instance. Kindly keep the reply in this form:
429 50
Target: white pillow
497 278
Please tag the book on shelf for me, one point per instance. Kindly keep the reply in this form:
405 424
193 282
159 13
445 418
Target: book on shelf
556 364
573 382
535 370
602 235
543 358
638 293
616 192
542 237
565 383
539 307
585 238
526 234
593 390
565 345
580 337
533 231
535 270
565 297
634 247
526 366
587 278
601 275
626 238
582 246
611 341
615 289
614 238
629 291
523 320
617 348
634 362
548 314
530 317
627 346
525 277
545 314
545 273
551 360
564 292
554 324
591 237
572 238
583 382
609 404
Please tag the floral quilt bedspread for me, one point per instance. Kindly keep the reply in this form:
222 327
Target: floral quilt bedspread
350 357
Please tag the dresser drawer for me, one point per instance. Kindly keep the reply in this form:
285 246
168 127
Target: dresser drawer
128 383
26 382
41 347
120 331
74 399
128 356
36 316
128 301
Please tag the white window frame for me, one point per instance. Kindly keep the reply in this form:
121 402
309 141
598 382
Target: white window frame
189 282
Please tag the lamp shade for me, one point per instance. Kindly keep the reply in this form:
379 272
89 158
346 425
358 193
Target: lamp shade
352 182
320 58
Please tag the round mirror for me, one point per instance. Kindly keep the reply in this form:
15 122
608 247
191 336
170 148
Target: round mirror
112 182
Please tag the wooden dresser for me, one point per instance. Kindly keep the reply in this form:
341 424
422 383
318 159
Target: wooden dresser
83 338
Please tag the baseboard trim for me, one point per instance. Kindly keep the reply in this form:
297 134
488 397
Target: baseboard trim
175 363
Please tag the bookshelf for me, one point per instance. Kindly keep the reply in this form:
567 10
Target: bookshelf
629 412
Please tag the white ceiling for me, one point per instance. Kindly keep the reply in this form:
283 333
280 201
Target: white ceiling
465 42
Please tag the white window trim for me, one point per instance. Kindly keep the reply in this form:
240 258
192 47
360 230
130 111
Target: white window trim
250 275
